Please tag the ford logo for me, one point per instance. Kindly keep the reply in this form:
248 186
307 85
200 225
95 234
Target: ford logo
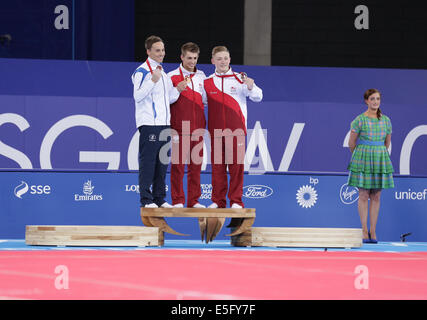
256 191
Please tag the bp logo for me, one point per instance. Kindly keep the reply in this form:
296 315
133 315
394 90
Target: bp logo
306 196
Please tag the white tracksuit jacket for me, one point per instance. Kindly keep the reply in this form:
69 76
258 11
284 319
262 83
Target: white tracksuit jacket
152 100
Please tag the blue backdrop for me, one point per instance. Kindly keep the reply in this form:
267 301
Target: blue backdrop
79 115
50 111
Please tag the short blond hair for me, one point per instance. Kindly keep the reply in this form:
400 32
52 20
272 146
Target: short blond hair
217 49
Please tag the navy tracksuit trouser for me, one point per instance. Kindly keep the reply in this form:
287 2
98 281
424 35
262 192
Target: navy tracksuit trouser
152 168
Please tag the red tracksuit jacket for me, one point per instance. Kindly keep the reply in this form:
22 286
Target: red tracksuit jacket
189 106
226 94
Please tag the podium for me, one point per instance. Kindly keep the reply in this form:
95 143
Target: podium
210 220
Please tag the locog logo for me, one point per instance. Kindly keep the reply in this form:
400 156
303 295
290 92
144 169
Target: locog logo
348 194
306 196
132 188
21 189
206 190
257 191
135 188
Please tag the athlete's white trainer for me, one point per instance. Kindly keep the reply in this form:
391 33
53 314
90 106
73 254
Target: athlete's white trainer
151 205
166 205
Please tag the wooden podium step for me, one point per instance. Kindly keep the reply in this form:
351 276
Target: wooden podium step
299 237
127 236
210 220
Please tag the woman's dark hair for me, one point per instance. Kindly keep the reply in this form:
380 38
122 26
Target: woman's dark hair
366 96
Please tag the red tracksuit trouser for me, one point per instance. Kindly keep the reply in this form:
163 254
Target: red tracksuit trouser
227 152
185 151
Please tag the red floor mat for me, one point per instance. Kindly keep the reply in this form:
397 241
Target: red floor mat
218 275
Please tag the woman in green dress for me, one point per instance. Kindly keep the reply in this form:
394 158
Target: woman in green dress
370 167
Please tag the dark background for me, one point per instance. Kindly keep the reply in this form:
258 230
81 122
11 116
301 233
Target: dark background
322 33
207 23
304 32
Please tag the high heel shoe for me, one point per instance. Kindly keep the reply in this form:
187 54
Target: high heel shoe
372 240
367 240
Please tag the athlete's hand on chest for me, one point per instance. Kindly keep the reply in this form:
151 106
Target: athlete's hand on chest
157 74
181 85
249 82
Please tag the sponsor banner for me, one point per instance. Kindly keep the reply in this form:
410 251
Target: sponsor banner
349 194
280 200
257 191
88 194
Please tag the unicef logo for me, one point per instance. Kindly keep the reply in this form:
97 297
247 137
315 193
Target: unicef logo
21 189
257 191
348 194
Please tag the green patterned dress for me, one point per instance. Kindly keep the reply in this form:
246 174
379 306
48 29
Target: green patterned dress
370 166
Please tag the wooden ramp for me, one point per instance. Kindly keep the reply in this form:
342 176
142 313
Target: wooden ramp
299 237
211 221
126 236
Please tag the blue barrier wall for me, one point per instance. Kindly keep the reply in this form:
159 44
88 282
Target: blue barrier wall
281 200
62 114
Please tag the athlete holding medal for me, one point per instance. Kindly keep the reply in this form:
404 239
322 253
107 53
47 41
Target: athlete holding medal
226 93
188 121
153 92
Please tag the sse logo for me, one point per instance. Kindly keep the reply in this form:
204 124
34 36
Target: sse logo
256 191
23 188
